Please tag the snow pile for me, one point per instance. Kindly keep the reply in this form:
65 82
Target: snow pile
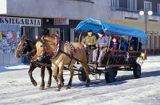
14 67
16 89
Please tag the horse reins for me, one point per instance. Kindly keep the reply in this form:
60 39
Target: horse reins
59 50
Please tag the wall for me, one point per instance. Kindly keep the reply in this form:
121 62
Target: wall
3 6
100 9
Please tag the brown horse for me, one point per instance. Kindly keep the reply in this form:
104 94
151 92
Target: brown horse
63 54
27 47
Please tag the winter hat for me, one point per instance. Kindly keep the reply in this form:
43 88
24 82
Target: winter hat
100 35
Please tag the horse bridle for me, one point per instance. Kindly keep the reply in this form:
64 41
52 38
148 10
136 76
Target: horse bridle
45 46
22 50
59 50
24 46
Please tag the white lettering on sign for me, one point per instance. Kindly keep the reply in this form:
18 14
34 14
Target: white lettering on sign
21 21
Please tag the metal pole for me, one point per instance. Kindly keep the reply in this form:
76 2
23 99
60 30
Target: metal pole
146 22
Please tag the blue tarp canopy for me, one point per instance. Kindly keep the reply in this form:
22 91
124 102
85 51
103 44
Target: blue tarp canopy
89 24
116 29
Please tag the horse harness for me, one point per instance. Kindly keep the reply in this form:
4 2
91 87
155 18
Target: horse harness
70 50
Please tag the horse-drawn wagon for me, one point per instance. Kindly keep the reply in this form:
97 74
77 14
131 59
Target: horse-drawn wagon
115 60
60 53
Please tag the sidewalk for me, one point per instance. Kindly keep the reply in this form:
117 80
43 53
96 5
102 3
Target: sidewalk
14 67
153 58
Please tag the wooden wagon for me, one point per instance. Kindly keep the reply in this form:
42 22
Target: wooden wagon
115 60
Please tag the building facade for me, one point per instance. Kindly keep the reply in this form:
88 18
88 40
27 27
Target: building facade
56 15
31 16
127 12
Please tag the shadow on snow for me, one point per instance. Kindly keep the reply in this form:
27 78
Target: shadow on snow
119 80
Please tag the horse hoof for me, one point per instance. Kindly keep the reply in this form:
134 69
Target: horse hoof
58 89
41 88
68 87
62 84
87 85
34 83
48 86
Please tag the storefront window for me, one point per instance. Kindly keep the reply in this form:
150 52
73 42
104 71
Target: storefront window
8 39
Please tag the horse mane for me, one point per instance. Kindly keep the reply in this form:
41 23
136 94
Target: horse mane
49 39
39 38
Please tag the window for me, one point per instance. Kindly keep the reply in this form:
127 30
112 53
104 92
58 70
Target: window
147 5
115 4
158 8
132 5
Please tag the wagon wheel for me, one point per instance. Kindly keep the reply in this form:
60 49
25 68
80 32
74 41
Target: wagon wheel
137 71
115 73
110 75
82 75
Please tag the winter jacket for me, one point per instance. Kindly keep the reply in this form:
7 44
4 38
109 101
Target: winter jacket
89 40
104 41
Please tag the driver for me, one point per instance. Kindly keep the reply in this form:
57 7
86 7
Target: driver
89 42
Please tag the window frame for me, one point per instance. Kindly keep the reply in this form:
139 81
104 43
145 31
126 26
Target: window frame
158 8
147 5
132 5
115 4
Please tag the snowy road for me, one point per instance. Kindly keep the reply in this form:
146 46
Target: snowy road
16 89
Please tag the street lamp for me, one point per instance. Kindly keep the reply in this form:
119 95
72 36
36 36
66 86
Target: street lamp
146 14
141 13
150 13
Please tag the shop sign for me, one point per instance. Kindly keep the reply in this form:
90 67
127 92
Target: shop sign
61 21
21 21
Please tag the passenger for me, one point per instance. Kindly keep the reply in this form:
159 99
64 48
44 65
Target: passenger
89 42
140 46
114 43
124 45
135 45
102 42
